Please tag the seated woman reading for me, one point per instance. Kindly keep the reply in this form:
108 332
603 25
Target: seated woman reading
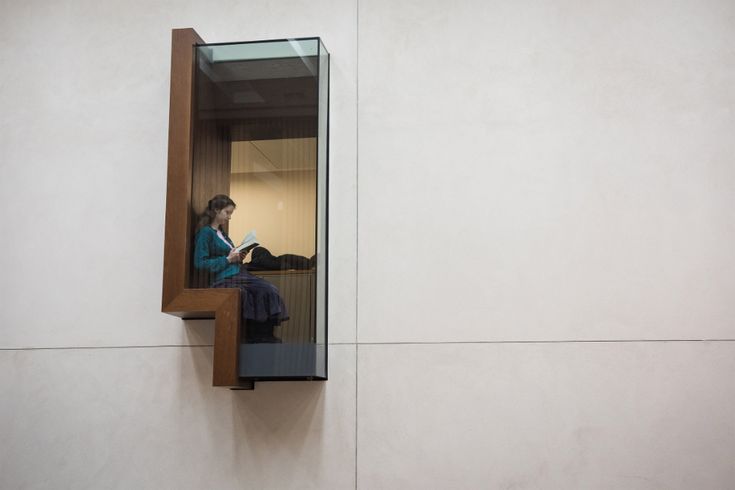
214 252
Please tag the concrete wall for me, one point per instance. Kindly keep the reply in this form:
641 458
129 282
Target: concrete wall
532 276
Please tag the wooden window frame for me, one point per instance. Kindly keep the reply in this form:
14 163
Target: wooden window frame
221 304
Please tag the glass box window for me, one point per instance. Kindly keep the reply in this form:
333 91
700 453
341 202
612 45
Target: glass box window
259 197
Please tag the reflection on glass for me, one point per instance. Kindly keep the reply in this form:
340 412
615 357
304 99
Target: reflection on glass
260 175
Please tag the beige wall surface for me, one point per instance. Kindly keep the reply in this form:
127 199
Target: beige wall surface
280 206
274 183
531 268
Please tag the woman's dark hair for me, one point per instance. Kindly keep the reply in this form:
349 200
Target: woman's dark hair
214 206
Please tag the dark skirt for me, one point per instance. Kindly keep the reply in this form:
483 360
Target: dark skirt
260 299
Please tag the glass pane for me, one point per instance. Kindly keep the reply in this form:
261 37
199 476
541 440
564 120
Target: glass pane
322 205
259 176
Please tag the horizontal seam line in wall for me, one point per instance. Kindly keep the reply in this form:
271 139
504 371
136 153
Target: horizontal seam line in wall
624 341
619 341
81 347
105 347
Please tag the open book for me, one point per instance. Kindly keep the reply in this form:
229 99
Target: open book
248 243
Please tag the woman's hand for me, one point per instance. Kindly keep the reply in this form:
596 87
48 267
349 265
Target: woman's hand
234 257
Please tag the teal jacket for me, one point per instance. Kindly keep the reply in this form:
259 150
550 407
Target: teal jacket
210 254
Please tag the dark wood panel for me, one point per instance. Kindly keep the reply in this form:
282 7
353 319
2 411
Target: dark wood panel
211 166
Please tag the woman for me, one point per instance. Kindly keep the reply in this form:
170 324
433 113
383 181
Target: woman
214 252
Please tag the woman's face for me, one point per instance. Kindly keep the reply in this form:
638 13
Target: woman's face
224 215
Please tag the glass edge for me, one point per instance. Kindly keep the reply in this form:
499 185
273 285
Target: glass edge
322 46
312 38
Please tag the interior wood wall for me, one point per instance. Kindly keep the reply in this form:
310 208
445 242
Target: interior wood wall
210 176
